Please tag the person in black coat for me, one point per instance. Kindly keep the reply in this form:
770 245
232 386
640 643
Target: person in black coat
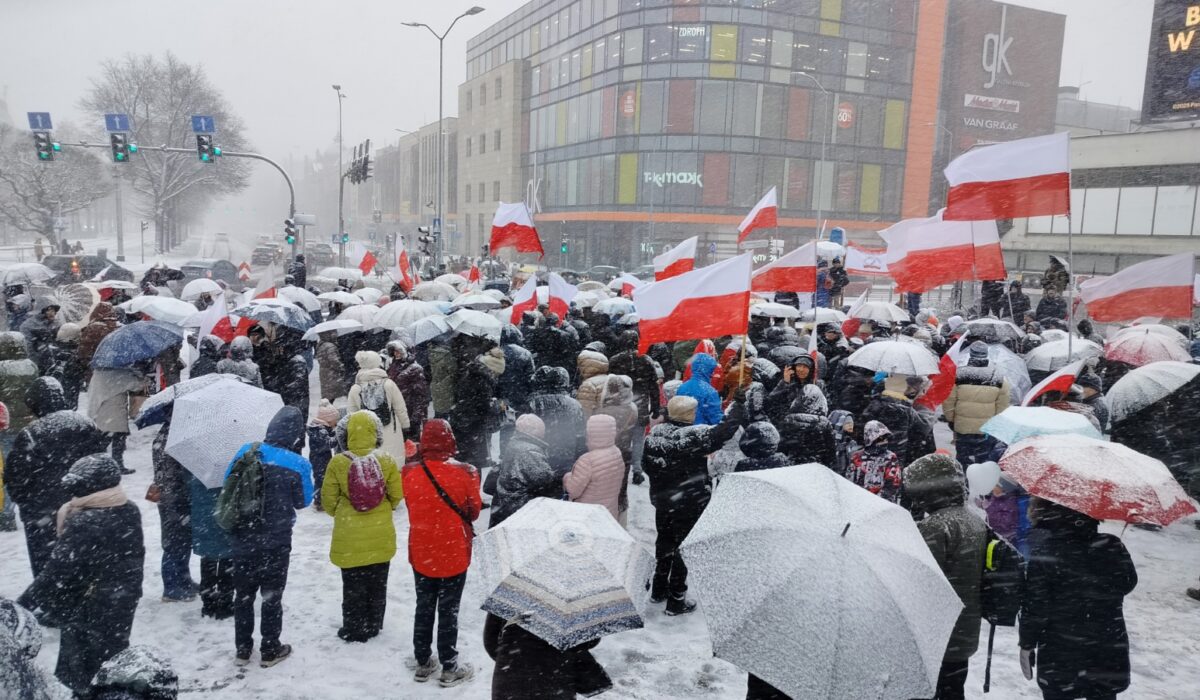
806 435
1072 623
174 500
284 369
760 445
93 579
661 353
515 385
298 271
210 355
912 436
475 413
1017 302
40 457
529 668
550 345
640 368
562 414
1052 305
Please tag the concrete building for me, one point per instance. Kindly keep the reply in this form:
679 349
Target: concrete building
403 189
1084 118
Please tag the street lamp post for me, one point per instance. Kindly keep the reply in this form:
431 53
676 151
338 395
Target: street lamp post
341 182
824 142
441 38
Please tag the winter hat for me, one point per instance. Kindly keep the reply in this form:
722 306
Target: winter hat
924 337
68 333
873 431
400 347
531 425
682 409
494 360
760 439
934 480
896 383
327 415
368 359
1090 380
591 364
91 474
137 672
19 630
979 352
954 322
670 388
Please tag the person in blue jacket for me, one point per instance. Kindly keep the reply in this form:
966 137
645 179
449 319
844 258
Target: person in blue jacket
699 387
262 551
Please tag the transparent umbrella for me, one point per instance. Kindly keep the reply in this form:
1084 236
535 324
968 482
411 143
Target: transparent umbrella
895 357
1052 357
197 287
75 302
405 312
770 309
300 297
343 298
1144 386
880 311
27 273
341 326
369 295
363 313
208 427
433 291
475 323
1140 346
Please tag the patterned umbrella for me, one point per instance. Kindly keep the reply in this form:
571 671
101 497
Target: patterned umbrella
208 427
138 341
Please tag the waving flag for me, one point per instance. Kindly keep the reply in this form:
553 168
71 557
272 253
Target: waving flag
525 299
763 215
367 263
1026 177
402 273
926 253
705 303
628 284
1059 381
676 261
794 272
943 382
512 227
1162 285
561 295
865 261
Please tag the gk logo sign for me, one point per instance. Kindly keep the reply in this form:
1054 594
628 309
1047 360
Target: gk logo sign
995 51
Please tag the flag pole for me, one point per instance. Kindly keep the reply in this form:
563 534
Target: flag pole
1070 286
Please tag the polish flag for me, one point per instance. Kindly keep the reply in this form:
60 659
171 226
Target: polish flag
1163 285
865 261
628 284
1196 292
851 325
1016 179
926 253
705 303
763 215
561 295
403 273
943 382
265 289
512 227
473 274
525 299
367 263
676 261
794 272
1059 381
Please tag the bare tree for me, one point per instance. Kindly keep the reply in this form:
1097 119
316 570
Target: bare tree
34 193
160 95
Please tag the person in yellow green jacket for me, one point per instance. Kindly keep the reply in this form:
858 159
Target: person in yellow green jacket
361 489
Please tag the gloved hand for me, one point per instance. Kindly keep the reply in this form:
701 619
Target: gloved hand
1028 661
638 478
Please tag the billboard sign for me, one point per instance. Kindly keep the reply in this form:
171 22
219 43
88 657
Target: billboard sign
1173 69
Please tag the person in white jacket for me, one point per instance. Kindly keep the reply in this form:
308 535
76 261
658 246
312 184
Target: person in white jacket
373 391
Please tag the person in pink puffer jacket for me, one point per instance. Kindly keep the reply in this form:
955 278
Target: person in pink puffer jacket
597 475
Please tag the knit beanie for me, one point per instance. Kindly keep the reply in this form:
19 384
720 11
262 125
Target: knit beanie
979 352
682 409
532 426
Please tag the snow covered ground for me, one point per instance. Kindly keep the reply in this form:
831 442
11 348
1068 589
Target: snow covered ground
670 658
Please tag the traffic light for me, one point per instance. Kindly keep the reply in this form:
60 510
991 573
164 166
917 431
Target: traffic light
145 225
120 148
345 238
425 239
289 231
45 147
563 246
204 147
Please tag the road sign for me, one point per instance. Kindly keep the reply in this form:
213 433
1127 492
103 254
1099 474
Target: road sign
39 121
203 124
371 235
712 248
244 271
305 219
754 244
437 224
334 239
117 122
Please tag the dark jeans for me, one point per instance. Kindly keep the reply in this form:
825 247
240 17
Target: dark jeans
266 573
40 534
437 597
973 449
88 642
176 527
217 585
118 447
670 573
1055 695
364 600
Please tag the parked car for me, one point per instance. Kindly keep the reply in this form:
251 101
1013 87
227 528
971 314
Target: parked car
570 276
603 273
81 268
213 270
266 254
644 273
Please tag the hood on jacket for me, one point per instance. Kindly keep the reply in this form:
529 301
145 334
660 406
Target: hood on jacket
670 388
618 391
44 303
511 335
494 360
707 347
874 431
45 396
591 364
286 430
12 346
682 409
703 366
91 474
759 440
340 430
597 346
437 439
104 311
789 336
19 630
933 482
363 432
368 359
241 348
628 340
210 346
840 419
810 400
601 432
1048 515
551 380
530 424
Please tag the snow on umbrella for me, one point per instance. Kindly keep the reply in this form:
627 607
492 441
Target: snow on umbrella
300 297
341 326
160 308
27 273
405 312
1146 386
1052 357
363 313
352 274
799 564
829 249
479 302
343 298
208 427
629 320
453 279
566 572
880 311
1053 335
1104 480
1016 423
588 300
197 287
994 329
495 294
1140 346
427 329
895 357
113 284
822 315
154 409
591 286
135 342
615 306
433 291
1010 365
281 314
770 309
369 295
1158 329
475 323
75 302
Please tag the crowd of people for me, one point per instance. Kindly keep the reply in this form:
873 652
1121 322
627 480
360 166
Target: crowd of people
557 408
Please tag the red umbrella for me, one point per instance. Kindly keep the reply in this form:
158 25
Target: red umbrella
1104 480
1139 347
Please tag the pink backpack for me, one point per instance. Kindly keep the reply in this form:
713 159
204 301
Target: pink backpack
364 481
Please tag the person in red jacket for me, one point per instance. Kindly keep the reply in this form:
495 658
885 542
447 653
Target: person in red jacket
443 502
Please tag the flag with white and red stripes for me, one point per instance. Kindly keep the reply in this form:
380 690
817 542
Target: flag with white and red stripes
512 227
525 299
1060 381
706 303
1164 286
794 272
763 215
676 261
942 383
927 253
561 295
1015 179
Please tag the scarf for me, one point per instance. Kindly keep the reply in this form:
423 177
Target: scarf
104 498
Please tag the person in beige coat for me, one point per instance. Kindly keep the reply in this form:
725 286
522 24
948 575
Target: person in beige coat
598 474
593 376
980 392
374 392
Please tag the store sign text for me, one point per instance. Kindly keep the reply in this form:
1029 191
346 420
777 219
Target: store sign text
996 104
691 32
660 179
995 124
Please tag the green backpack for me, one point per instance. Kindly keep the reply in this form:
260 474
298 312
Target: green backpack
240 504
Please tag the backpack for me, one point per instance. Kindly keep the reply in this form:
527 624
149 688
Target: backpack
240 503
364 482
1000 586
373 396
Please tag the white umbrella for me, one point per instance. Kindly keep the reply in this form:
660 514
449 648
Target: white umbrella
822 315
880 311
895 357
433 291
341 325
1051 357
615 306
475 323
404 312
771 309
426 329
1155 329
1147 385
112 284
343 298
588 300
1053 335
27 273
153 410
629 320
591 286
75 302
1140 346
363 313
1016 423
352 274
1010 365
208 427
369 295
495 294
803 575
300 297
453 279
160 308
829 249
994 329
479 302
197 287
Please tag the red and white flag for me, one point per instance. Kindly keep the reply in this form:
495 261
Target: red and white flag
763 215
794 272
265 288
1015 179
628 284
1162 285
561 295
865 261
525 299
512 227
676 261
473 274
403 272
851 325
1059 381
367 263
705 303
943 382
1196 292
926 253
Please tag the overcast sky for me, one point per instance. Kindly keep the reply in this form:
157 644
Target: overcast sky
275 59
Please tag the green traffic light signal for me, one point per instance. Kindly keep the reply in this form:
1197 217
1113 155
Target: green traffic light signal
133 148
216 150
345 238
564 247
56 146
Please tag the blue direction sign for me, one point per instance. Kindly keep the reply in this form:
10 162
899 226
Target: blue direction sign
334 238
39 121
117 123
203 124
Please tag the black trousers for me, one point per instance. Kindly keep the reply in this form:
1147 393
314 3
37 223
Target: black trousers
670 573
265 573
1055 695
952 680
437 598
118 447
99 633
364 600
217 587
40 535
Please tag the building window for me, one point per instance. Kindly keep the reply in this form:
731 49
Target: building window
467 102
482 95
482 144
468 145
467 194
496 190
482 193
496 140
499 90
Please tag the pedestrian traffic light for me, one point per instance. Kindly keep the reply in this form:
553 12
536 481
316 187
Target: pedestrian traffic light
45 147
289 231
563 246
345 238
425 239
204 147
120 148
